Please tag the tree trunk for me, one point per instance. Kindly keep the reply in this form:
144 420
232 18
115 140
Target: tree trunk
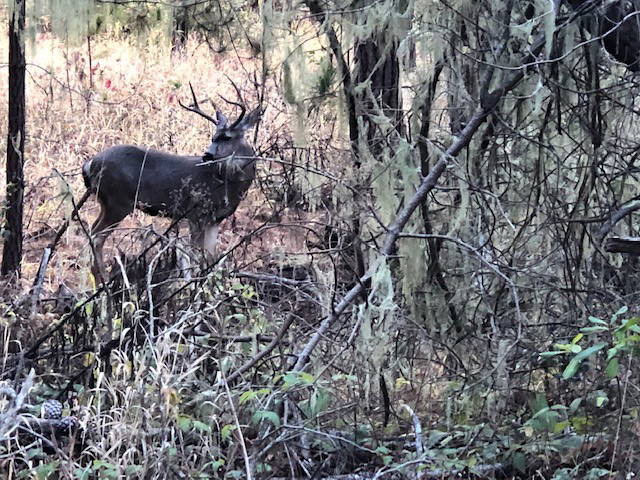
12 253
384 96
180 29
385 82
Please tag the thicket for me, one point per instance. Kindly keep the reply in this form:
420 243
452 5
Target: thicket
416 286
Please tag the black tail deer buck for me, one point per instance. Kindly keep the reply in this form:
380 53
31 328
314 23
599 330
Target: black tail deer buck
205 190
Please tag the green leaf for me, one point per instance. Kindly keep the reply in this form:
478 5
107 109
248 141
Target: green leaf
551 354
266 415
575 405
613 368
596 473
226 431
624 309
184 423
594 329
538 403
558 407
34 452
201 426
575 362
319 401
43 471
565 347
581 423
292 379
246 396
83 473
577 338
111 473
598 321
560 426
628 324
519 462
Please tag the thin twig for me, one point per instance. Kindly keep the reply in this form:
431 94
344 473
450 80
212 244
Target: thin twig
268 349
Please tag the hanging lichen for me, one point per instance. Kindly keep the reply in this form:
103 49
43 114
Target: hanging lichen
70 18
288 88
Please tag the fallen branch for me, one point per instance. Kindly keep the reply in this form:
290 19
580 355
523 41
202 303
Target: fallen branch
48 251
630 245
8 419
417 427
37 287
614 218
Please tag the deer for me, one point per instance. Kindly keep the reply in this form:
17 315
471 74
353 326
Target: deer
204 190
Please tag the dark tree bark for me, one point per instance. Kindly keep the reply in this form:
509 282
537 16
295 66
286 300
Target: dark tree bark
376 62
384 78
12 253
180 28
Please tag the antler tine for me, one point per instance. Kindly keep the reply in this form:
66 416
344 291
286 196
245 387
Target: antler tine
240 105
196 108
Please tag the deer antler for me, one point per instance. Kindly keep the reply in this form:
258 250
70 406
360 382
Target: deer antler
243 110
195 108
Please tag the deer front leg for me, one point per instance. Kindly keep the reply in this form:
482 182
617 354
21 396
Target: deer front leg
211 238
204 236
197 234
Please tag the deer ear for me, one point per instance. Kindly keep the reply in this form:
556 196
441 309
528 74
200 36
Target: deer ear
222 120
250 120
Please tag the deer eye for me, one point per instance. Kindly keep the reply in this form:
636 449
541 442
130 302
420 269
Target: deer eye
221 137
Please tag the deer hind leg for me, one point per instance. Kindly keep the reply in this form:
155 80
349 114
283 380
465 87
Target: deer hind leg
106 222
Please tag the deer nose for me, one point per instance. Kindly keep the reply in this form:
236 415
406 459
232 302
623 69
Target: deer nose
211 151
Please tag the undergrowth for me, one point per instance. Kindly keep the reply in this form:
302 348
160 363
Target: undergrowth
174 376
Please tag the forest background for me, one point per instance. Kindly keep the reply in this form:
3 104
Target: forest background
421 283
